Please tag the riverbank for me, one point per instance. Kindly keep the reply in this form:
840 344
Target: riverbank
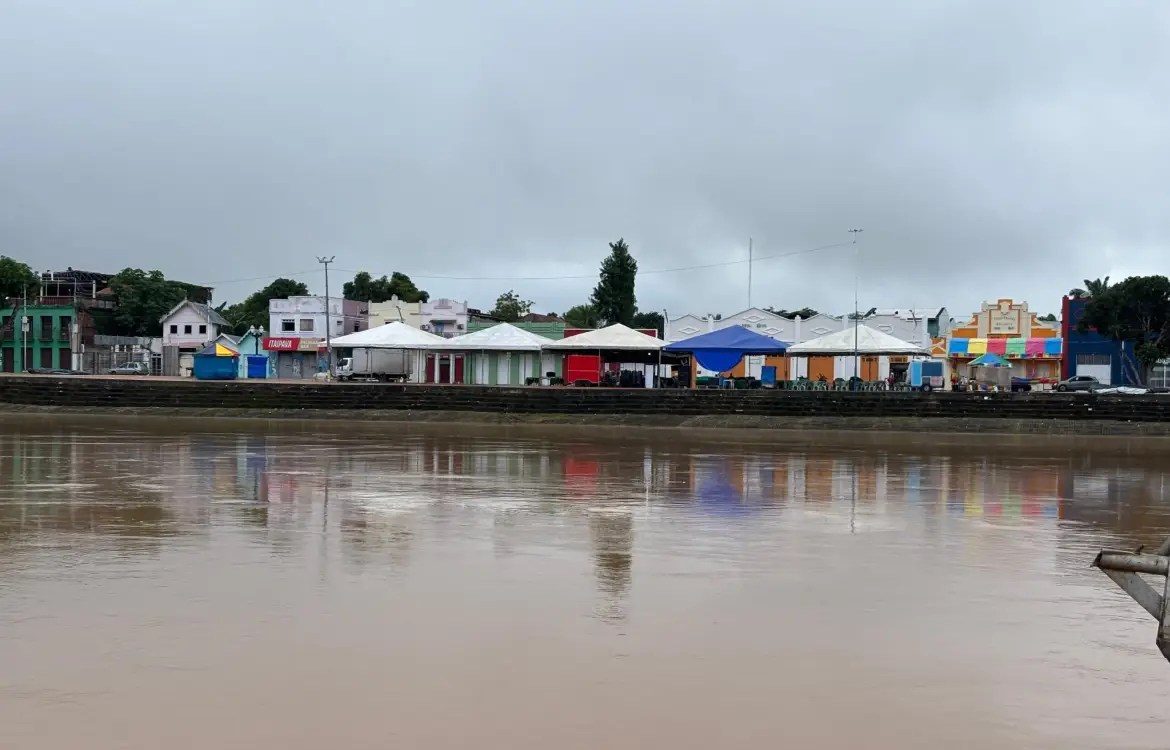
1084 415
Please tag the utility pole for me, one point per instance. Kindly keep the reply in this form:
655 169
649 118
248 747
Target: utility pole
328 331
856 307
749 272
24 325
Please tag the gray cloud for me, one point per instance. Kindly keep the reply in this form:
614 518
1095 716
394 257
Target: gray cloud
988 149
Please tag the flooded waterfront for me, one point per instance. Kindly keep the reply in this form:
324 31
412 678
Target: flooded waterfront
298 586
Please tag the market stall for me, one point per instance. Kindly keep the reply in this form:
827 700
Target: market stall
721 350
502 355
625 356
395 335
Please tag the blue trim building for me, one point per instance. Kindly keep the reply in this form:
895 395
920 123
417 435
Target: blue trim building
1089 353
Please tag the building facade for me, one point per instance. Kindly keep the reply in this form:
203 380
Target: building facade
444 317
190 326
798 330
296 332
1090 353
395 310
40 336
1008 329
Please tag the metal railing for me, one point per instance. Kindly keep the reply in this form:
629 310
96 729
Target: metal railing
1126 568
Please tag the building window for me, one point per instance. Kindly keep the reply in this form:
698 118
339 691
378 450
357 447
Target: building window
288 325
203 328
1160 375
186 329
306 324
174 328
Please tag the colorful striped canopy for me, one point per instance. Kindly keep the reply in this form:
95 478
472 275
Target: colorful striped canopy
1017 348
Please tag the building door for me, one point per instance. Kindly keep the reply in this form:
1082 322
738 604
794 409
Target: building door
1099 366
819 367
514 376
869 368
457 363
504 368
65 359
46 358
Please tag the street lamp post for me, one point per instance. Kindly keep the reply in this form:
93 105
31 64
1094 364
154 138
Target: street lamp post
856 309
328 327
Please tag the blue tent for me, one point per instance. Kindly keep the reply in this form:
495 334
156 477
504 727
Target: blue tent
990 360
216 362
723 349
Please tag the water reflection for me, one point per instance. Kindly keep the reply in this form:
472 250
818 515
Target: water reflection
375 495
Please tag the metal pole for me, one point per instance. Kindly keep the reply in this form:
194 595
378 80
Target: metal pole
749 304
856 308
24 326
328 327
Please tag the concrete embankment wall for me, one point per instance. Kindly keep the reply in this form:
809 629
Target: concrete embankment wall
1028 412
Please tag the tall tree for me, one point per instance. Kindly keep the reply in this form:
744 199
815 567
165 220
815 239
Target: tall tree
613 298
649 320
16 278
142 298
253 311
1136 310
1095 287
581 316
365 288
510 307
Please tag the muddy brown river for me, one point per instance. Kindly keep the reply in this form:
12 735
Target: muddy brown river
207 584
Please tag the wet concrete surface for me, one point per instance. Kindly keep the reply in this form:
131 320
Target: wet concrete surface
228 584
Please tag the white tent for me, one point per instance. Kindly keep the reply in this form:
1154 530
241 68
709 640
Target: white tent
503 337
502 355
869 342
394 335
616 337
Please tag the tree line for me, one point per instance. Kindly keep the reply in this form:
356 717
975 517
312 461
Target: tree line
1134 311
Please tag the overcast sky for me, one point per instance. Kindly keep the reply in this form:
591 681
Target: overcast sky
987 148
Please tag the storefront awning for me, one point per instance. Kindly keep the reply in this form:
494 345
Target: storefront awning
1017 348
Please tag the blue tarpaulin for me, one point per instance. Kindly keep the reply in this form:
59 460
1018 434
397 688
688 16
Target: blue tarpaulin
989 360
723 349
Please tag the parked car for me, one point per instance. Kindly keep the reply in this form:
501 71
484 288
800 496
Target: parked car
1079 383
1021 385
131 368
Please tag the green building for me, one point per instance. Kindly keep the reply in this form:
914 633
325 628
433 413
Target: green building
548 330
46 343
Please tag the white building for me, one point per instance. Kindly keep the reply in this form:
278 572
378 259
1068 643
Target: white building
443 317
905 325
296 331
190 326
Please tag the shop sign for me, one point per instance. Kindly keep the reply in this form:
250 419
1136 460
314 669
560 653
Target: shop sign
1003 321
290 344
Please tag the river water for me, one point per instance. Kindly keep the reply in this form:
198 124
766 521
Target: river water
187 584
